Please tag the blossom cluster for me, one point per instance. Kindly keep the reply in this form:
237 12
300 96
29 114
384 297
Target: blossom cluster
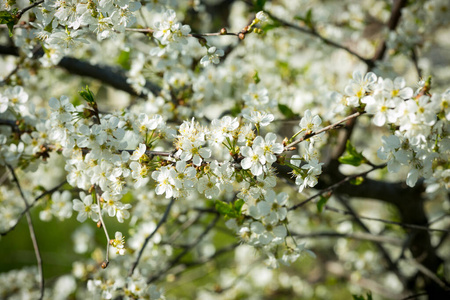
128 164
96 158
418 121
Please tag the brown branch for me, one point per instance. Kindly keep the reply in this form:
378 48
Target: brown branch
10 123
183 227
22 11
415 296
32 234
329 127
112 76
427 272
336 185
355 236
185 251
401 224
391 264
327 41
31 205
148 238
415 61
337 269
195 35
392 25
108 240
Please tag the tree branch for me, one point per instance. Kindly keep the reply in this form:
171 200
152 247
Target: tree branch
22 11
336 185
327 41
391 264
392 25
32 234
401 224
148 238
329 127
185 251
29 206
112 76
355 236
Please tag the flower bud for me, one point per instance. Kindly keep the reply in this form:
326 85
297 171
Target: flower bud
223 31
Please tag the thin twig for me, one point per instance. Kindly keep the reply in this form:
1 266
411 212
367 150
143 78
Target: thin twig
329 127
196 35
337 184
415 61
185 251
427 272
16 69
379 54
391 264
108 240
442 240
112 76
355 236
411 226
392 25
415 296
216 254
10 123
148 238
183 227
327 41
438 218
29 206
32 234
22 11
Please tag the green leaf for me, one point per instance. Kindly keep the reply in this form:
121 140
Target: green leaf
230 210
238 205
224 208
286 111
87 95
357 181
357 297
256 78
353 157
236 110
9 20
321 203
6 17
308 18
124 59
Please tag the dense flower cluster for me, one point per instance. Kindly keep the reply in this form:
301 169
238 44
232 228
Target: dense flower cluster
418 121
176 151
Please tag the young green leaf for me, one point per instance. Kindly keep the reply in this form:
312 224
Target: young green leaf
9 20
87 95
321 203
230 210
238 205
224 208
353 157
357 181
357 297
286 111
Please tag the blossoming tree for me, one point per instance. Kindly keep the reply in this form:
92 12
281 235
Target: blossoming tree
254 149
